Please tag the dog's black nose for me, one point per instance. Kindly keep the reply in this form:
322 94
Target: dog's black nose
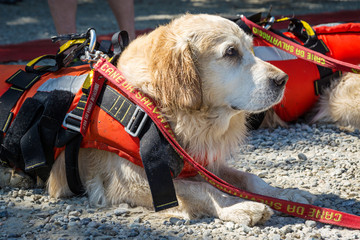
280 79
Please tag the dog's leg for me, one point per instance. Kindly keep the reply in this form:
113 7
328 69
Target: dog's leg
92 169
126 182
110 179
254 184
198 199
57 183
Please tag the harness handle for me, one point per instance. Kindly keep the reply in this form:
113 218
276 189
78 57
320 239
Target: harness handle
120 41
30 66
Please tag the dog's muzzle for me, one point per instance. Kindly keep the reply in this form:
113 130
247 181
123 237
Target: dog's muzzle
280 80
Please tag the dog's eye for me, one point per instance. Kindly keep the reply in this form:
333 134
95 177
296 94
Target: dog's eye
231 52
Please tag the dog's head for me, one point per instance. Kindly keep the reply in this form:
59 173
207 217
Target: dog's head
207 61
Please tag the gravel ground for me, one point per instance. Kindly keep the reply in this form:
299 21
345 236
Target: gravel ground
321 159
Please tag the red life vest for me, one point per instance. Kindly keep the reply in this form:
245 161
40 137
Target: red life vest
104 132
299 96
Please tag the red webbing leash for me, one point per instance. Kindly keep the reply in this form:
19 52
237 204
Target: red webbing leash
104 69
299 50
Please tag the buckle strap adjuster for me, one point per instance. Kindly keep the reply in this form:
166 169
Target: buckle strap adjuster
137 122
69 121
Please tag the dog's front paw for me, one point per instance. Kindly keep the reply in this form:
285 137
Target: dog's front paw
11 178
247 213
296 195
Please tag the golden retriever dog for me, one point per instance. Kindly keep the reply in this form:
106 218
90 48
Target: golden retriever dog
202 71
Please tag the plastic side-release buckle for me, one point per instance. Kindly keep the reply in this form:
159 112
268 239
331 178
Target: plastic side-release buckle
71 120
137 122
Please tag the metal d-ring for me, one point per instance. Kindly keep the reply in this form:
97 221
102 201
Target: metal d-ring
92 40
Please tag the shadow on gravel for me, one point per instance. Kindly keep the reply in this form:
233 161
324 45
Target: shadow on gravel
31 219
302 136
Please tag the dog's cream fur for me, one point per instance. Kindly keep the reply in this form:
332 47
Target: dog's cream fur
340 103
202 71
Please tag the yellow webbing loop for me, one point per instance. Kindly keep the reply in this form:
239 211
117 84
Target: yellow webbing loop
35 60
88 81
308 28
70 43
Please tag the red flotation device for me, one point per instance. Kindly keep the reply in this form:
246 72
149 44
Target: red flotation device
341 42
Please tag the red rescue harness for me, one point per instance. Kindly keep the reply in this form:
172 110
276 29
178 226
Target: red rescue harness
102 126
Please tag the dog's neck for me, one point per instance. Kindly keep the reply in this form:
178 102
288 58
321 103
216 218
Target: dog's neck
208 135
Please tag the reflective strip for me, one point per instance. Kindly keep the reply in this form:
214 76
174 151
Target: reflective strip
272 54
65 83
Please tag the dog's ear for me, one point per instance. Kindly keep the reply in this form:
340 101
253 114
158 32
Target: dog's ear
175 73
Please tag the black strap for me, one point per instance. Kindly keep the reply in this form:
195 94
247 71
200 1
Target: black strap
116 105
7 102
321 84
20 81
71 165
37 144
120 40
10 150
105 47
30 140
155 152
34 155
72 138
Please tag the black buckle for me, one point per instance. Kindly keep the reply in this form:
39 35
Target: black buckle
137 122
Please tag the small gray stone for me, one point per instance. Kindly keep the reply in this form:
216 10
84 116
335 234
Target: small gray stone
230 226
4 214
137 220
133 233
275 237
173 220
85 221
74 213
121 211
302 156
93 224
310 223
